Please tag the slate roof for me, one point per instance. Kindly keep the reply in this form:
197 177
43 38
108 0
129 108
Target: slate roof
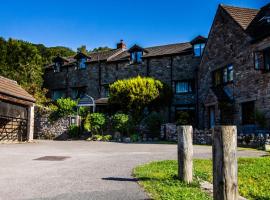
11 88
243 16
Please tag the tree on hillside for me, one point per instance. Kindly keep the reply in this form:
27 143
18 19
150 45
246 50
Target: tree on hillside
135 94
82 49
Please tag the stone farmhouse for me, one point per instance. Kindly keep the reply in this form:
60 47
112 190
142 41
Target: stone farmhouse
220 80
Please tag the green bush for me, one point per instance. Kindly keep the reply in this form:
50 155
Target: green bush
120 122
134 138
104 138
135 94
63 108
107 138
153 123
73 131
97 122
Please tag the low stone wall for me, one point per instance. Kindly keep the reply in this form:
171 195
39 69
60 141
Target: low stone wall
45 129
258 139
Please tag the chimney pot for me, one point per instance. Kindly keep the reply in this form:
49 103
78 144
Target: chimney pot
121 45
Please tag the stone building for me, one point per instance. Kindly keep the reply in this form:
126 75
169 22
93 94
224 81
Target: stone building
91 74
221 80
233 75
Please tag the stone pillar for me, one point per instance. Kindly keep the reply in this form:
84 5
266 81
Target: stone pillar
225 184
185 153
30 123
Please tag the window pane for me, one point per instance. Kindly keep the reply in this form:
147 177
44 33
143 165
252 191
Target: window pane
182 87
139 57
230 73
57 94
197 49
217 77
202 47
256 61
133 57
267 59
82 63
225 75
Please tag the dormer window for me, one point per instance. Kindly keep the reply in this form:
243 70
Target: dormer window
198 44
82 63
57 67
136 57
198 49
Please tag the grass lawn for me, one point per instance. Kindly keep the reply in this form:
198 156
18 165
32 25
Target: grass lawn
159 179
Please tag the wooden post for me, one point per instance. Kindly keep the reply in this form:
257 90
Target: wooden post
225 163
30 123
185 153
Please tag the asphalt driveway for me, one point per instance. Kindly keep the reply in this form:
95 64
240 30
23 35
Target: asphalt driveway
80 169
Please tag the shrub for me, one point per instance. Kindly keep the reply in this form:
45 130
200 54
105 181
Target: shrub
120 122
73 131
97 122
87 123
63 108
107 138
153 123
134 138
134 94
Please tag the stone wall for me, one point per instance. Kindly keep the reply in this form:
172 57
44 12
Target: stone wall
228 43
204 137
45 129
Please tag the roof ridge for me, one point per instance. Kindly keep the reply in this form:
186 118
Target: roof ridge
9 80
232 6
168 45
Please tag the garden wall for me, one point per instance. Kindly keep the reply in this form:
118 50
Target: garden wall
256 139
47 129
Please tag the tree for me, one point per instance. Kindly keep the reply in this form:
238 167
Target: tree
101 49
82 49
135 94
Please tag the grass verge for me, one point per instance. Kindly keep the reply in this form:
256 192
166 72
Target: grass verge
159 179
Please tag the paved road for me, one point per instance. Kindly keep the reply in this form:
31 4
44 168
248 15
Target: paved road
94 170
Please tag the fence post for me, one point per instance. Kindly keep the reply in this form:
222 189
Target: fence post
185 153
225 163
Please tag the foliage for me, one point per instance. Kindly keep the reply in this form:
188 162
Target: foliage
153 123
101 49
120 122
82 49
135 94
63 108
134 137
24 62
73 131
105 138
87 123
158 178
260 119
66 107
97 122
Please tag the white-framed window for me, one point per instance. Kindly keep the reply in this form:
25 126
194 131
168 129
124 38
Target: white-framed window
198 49
136 56
82 63
57 67
183 87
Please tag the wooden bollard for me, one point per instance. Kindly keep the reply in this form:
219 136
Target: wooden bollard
185 153
225 163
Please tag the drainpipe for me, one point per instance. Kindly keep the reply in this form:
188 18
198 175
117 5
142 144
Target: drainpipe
171 77
99 77
147 67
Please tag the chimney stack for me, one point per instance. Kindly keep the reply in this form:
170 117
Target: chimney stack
121 45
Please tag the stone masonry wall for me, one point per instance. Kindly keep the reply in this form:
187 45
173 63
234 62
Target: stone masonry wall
45 129
229 44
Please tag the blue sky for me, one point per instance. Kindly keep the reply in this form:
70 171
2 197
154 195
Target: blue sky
104 23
